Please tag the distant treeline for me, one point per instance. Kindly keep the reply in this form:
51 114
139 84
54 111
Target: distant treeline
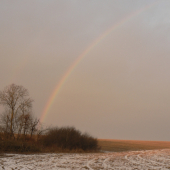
20 131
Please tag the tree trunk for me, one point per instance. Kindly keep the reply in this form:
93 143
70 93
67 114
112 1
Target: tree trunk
11 130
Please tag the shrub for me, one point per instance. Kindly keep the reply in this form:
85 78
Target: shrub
69 138
17 146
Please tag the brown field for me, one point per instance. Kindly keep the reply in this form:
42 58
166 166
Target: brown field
131 145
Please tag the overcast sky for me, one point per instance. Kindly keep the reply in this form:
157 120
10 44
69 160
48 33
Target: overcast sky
121 88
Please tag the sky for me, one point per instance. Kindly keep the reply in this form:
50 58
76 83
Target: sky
120 89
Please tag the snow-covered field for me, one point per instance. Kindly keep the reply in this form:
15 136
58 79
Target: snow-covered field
138 160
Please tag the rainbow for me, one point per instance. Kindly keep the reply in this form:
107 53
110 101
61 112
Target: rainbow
80 58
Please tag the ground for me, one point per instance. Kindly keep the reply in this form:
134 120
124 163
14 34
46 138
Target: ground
132 160
131 145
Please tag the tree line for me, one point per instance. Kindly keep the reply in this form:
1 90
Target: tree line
21 131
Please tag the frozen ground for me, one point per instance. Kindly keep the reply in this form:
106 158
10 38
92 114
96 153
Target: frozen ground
138 160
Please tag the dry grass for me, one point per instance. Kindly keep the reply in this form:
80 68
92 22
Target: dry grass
131 145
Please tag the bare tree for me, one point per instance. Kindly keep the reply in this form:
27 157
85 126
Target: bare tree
5 123
34 126
16 99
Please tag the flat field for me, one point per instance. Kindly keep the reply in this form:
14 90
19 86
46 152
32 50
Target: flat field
138 160
123 155
131 145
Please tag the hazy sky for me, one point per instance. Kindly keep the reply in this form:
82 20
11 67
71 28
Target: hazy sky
121 88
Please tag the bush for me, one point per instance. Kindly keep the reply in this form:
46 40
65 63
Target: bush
69 138
17 146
